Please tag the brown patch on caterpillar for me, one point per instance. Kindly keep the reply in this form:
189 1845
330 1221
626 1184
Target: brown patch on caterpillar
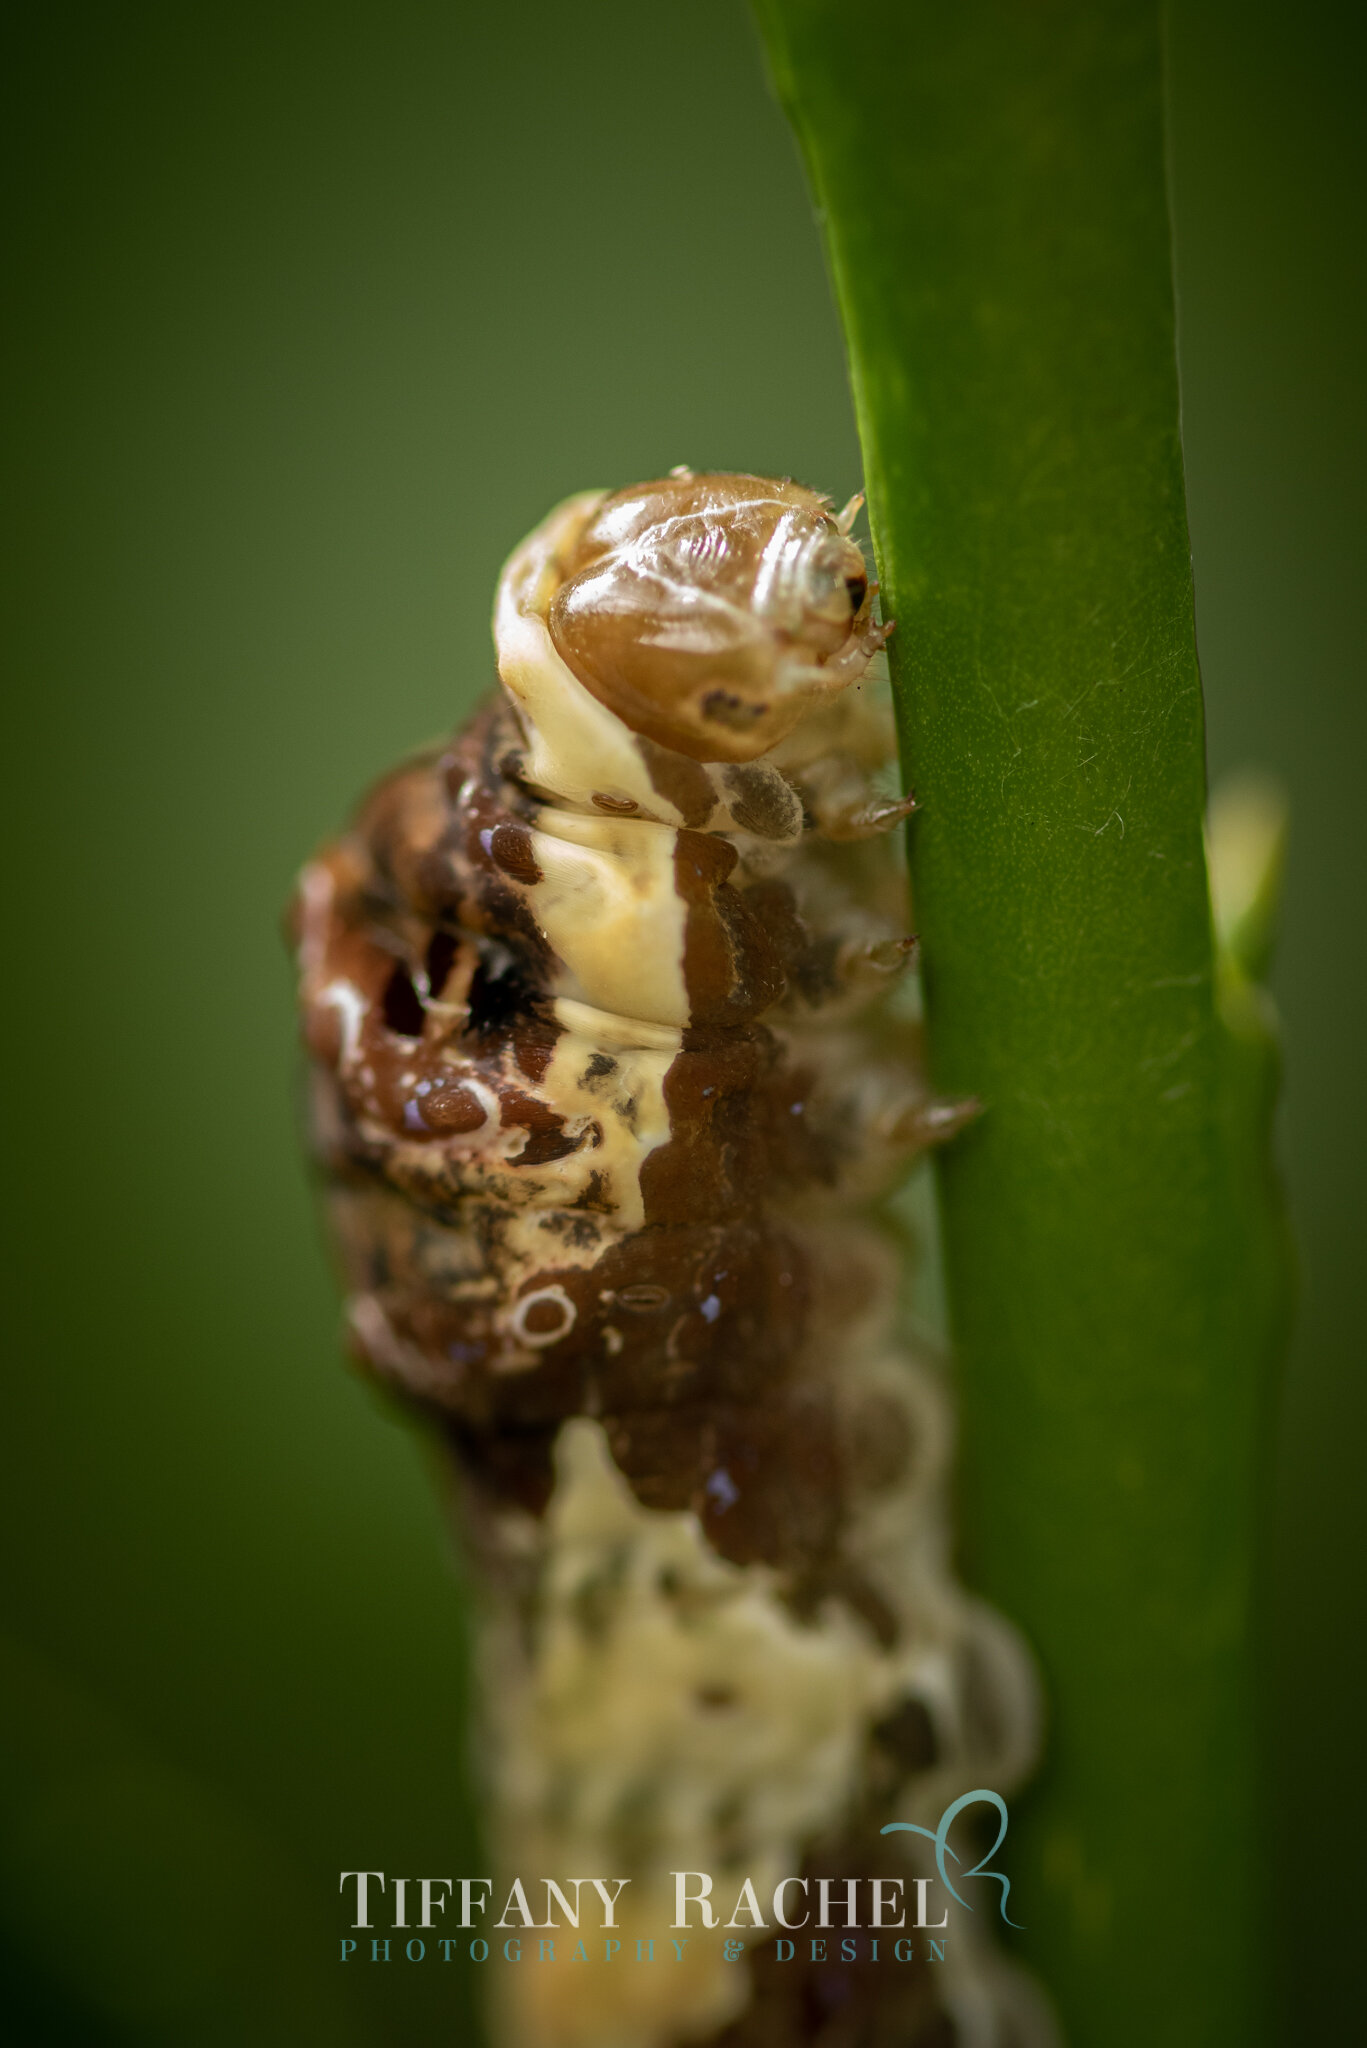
731 970
402 824
694 1398
700 1312
772 904
446 838
547 1137
716 1330
681 782
470 1358
763 1479
502 1469
534 1044
823 966
424 1067
711 1162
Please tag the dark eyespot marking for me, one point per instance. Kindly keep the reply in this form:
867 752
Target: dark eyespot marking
510 847
499 996
858 589
542 1147
726 708
441 956
403 1010
451 1110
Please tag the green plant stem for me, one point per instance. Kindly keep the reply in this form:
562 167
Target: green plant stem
991 183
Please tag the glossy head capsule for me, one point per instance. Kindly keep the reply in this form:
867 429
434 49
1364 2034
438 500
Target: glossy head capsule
710 612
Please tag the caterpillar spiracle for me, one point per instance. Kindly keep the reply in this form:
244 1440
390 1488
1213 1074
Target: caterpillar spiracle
607 1089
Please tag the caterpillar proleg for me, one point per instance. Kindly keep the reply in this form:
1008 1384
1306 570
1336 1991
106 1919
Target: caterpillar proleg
607 1086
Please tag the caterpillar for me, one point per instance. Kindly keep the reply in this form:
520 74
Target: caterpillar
609 1078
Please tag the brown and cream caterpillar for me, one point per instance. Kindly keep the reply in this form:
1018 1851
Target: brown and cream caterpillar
609 1077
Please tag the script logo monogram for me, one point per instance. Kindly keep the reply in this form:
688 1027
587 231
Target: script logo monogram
940 1837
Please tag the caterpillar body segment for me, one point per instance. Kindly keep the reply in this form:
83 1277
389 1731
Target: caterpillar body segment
606 1085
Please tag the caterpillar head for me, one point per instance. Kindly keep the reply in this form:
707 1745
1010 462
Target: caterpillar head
709 612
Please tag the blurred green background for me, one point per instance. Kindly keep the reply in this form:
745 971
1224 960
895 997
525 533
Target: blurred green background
316 309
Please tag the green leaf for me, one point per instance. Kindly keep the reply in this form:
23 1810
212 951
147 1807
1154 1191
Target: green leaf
991 183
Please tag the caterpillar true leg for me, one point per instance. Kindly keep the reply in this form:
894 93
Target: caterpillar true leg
606 1089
